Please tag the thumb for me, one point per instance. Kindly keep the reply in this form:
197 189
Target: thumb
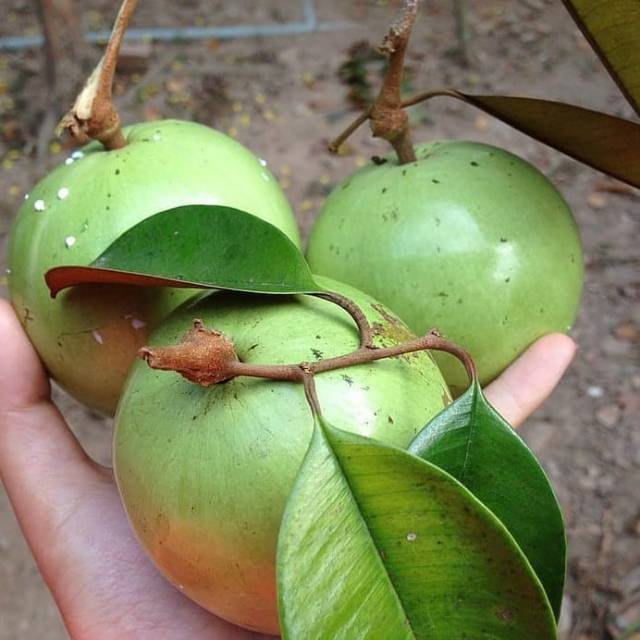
42 465
529 381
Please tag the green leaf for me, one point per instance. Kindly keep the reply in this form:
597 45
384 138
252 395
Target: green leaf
604 142
612 27
200 246
473 443
377 544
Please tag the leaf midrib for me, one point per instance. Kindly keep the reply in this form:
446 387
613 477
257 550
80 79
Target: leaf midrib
472 430
373 541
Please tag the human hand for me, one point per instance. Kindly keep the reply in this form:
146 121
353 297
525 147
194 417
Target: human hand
70 512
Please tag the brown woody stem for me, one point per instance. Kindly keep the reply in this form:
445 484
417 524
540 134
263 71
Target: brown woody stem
427 95
295 372
215 359
387 117
93 116
311 393
335 144
364 328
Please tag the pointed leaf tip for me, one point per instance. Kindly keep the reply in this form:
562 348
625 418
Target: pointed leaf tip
612 27
377 543
473 443
606 143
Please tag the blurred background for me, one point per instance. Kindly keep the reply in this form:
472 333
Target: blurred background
283 77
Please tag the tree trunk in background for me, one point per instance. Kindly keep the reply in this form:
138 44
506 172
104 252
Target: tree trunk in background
460 9
66 64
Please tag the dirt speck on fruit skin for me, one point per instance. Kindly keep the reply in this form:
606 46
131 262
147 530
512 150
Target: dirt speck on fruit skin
391 330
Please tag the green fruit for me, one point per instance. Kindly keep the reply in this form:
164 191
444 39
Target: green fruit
89 335
204 474
469 239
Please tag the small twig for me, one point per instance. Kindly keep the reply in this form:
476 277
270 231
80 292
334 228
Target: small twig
310 392
335 144
427 95
93 116
364 328
293 372
207 357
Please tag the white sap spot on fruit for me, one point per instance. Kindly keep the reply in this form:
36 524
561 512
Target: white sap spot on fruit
69 161
156 137
506 261
39 205
411 537
26 196
97 336
69 241
77 155
138 324
7 271
263 162
63 193
265 177
595 392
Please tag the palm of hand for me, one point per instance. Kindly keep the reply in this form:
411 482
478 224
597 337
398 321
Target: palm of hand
70 512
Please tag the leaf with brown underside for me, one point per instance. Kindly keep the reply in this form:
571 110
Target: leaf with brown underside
612 28
602 141
197 246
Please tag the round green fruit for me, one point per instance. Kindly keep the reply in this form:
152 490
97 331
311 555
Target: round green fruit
204 473
88 336
470 239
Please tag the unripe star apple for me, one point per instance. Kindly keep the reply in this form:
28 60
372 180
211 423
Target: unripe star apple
204 473
88 336
470 239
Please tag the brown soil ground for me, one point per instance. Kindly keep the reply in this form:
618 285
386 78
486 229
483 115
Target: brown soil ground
283 98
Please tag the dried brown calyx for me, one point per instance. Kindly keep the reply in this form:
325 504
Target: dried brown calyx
204 356
388 119
387 116
93 116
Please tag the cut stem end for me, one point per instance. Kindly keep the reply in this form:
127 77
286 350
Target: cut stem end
93 115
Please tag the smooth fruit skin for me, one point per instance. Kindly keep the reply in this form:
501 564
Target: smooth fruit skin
88 336
470 239
204 474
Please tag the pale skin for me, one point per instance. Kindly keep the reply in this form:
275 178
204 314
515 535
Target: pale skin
70 513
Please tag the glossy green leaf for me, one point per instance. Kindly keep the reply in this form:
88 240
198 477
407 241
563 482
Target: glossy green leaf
473 443
602 141
203 246
377 544
612 28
